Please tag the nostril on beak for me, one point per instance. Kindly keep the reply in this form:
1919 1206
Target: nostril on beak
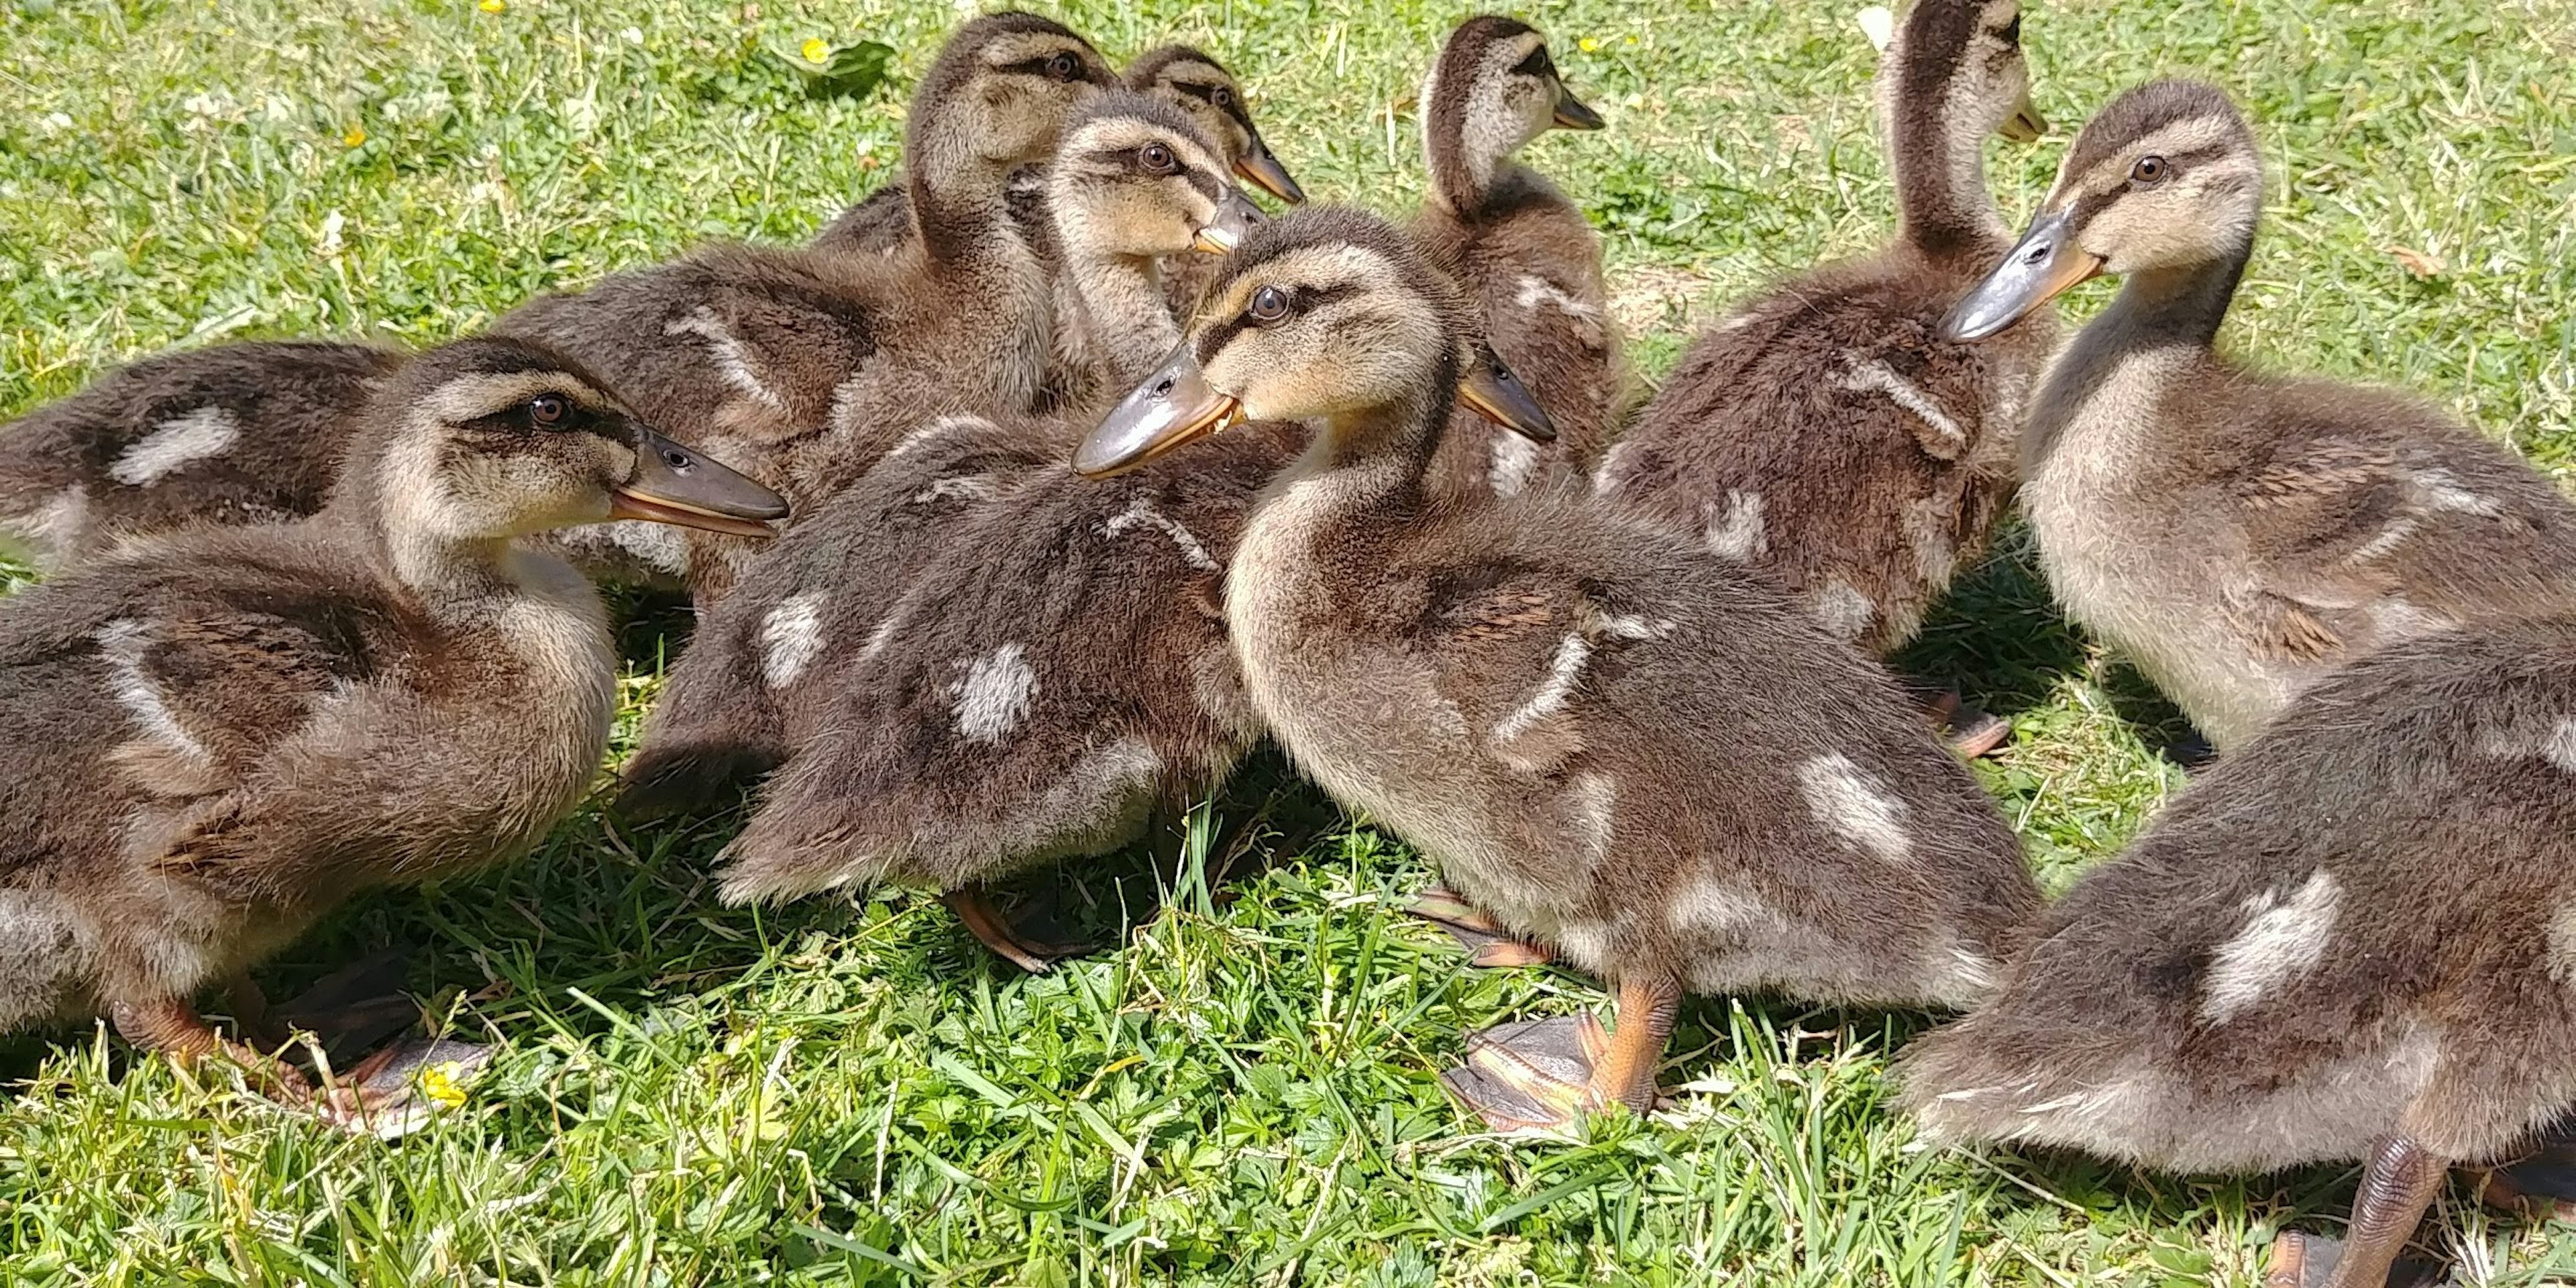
2037 255
677 459
1164 388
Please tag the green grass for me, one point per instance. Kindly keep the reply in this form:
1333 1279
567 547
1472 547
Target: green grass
852 1092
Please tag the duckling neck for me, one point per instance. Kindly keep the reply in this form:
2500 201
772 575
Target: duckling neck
1378 458
2101 388
1938 156
1466 155
1122 319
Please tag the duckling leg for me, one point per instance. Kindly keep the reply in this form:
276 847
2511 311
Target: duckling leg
2397 1185
1972 732
2542 1184
1544 1074
173 1028
1491 946
998 934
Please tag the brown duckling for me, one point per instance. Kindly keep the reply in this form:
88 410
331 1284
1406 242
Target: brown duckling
2351 939
1612 741
233 433
223 732
1524 252
1134 182
1823 431
803 366
2237 535
1179 75
977 725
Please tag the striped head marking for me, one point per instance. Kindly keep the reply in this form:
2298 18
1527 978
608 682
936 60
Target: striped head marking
1002 87
1493 89
1961 60
1135 177
1202 88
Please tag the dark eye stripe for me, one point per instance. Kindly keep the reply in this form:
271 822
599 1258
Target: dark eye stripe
1534 65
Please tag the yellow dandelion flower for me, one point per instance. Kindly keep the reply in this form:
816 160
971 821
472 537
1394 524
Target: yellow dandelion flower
493 6
438 1081
1588 45
817 51
357 134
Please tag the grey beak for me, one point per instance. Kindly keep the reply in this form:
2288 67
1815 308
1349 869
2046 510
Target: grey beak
2036 270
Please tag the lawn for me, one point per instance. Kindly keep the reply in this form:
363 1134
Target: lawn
1243 1090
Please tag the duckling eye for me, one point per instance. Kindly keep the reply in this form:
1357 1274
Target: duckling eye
1269 304
549 410
2148 170
1221 96
2011 32
1064 66
1157 158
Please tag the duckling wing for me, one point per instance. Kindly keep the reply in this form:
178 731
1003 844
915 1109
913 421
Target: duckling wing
2356 538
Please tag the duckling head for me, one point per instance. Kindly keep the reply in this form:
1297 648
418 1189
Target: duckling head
1134 177
1323 314
2165 179
998 94
1493 89
1199 85
1959 62
488 439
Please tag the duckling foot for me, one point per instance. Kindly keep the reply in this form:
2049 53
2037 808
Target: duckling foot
356 1007
2542 1186
394 1092
1972 732
1488 944
1004 937
2309 1261
1543 1075
1532 1075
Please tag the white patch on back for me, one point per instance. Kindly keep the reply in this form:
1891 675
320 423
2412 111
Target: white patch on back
1536 290
1735 527
1571 654
1141 513
2389 538
1856 806
964 487
1513 458
733 361
1878 377
1711 906
791 635
1843 610
123 643
928 434
993 697
175 444
877 639
2280 942
2441 492
1595 798
1606 478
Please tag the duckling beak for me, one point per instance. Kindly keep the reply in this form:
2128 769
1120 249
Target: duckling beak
1573 113
2033 272
1258 167
1235 216
2025 125
1490 389
1174 407
675 485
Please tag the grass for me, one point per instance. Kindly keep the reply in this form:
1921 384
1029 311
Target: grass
1243 1092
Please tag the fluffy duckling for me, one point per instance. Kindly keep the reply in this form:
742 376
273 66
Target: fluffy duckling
222 733
234 433
803 366
2237 535
1177 74
1524 252
1823 430
2352 939
1615 743
1133 183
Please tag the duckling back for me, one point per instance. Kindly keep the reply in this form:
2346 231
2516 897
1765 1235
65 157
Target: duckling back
234 433
2361 923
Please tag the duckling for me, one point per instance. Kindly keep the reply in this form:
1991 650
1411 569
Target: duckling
2237 535
803 366
1612 741
1177 74
2350 939
1523 251
1134 182
223 732
1823 431
233 433
971 727
1198 84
